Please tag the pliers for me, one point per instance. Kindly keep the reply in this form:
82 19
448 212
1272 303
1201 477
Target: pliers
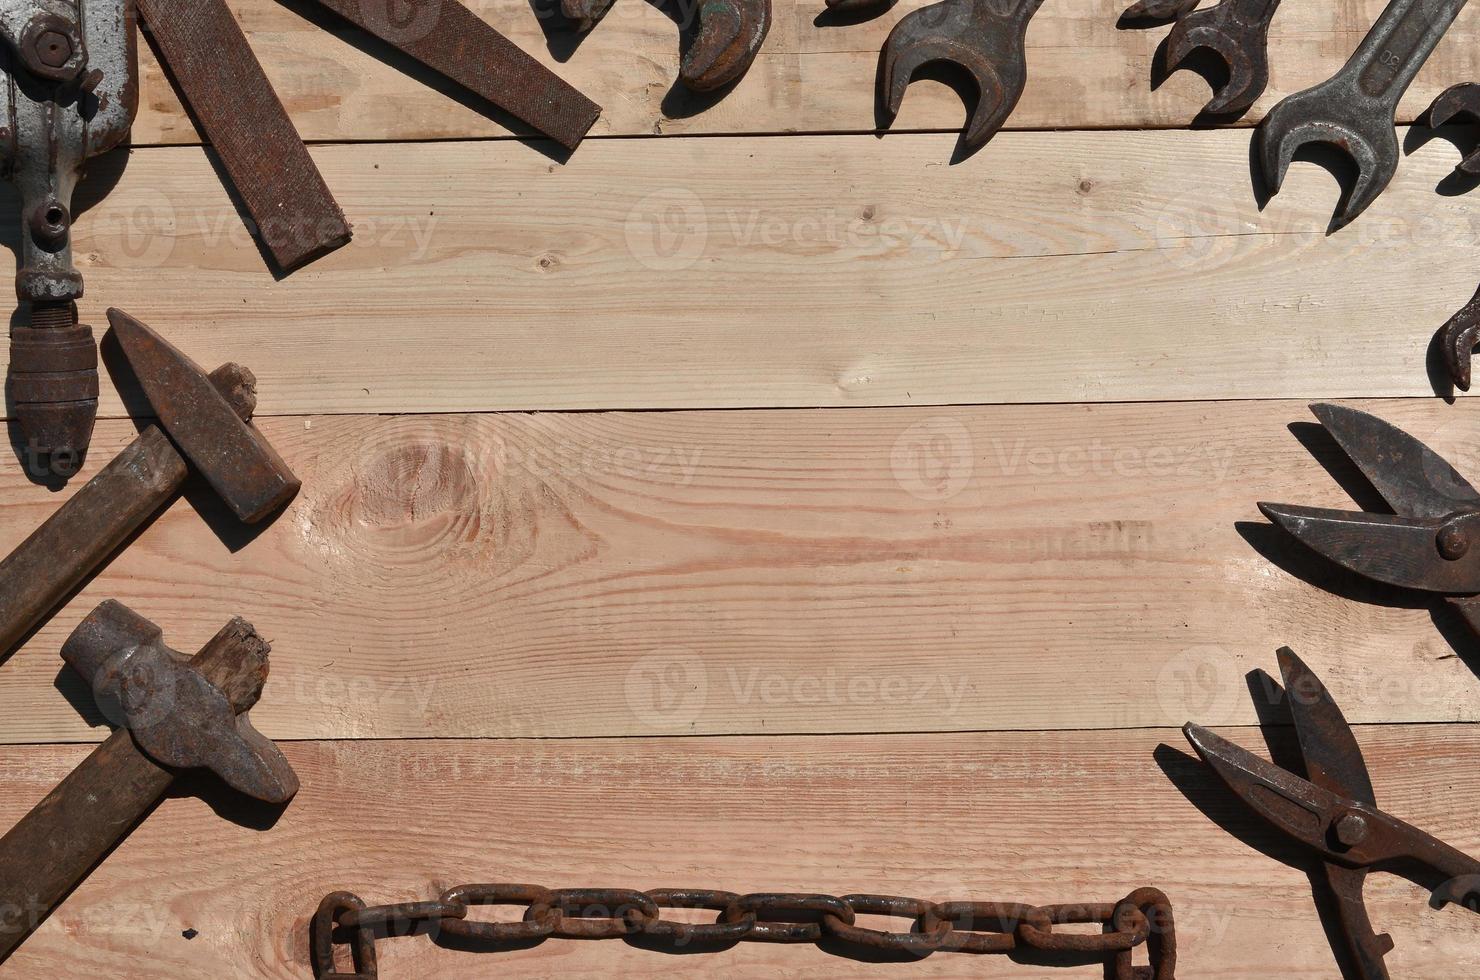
1431 541
1331 812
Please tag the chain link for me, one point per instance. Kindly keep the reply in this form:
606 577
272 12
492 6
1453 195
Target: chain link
1142 918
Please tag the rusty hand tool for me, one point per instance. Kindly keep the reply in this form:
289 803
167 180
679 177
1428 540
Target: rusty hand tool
1425 543
295 215
1460 101
1356 109
1142 919
1332 813
730 35
204 415
1159 10
984 38
1460 334
1237 31
71 79
1457 340
173 714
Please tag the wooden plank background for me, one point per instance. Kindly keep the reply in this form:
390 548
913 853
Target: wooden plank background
947 524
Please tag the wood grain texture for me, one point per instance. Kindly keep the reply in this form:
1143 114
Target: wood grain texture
1050 567
1023 816
807 271
1083 72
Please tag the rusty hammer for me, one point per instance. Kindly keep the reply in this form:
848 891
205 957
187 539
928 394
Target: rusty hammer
205 416
175 714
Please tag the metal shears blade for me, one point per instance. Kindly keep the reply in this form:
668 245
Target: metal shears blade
1424 543
1333 761
1413 479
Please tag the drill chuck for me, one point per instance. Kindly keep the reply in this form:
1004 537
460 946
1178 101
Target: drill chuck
53 387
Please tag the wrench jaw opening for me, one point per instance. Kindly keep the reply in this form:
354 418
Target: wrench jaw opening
1457 341
730 36
1458 103
1280 140
1248 70
915 43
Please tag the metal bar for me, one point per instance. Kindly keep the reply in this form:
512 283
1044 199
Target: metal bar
449 38
220 80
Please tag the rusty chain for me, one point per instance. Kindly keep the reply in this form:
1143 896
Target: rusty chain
1144 917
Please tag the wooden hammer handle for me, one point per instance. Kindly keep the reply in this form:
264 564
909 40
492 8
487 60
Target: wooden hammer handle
59 556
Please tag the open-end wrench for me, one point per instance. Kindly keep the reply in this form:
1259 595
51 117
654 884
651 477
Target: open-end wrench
1237 31
1457 340
1458 337
1460 101
984 38
729 37
1356 109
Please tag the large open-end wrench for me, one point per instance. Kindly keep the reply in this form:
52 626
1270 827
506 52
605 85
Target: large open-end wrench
1237 31
985 38
1356 109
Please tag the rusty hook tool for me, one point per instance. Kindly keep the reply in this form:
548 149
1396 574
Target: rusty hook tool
1237 32
1332 814
1356 109
983 38
730 35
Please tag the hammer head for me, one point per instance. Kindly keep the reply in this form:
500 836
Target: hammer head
184 714
232 456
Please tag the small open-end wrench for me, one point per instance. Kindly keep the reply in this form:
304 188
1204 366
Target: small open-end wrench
1458 337
1460 101
1356 109
1237 31
985 38
729 37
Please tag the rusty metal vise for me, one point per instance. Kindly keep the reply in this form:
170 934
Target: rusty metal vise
71 74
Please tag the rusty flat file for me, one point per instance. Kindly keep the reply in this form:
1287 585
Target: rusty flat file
451 39
230 97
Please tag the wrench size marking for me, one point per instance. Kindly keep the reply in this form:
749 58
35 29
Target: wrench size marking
1407 38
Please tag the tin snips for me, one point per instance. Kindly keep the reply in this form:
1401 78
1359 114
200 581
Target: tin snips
1329 812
